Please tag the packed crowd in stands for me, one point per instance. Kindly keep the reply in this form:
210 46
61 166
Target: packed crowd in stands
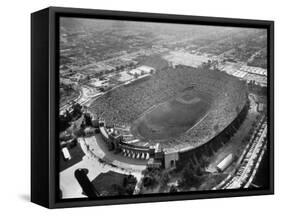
226 95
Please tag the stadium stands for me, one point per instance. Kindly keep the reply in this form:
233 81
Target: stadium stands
226 94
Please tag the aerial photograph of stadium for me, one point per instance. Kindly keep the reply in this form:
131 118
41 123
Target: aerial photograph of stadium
160 108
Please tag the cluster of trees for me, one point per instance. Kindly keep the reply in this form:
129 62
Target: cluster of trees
116 69
253 130
87 122
65 121
68 117
67 92
154 177
192 176
129 184
206 65
128 187
255 88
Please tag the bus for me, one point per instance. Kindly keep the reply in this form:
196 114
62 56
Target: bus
66 153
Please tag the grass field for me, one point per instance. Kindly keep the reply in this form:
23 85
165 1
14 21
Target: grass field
171 118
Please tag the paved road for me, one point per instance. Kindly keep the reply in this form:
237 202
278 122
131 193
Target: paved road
86 95
249 162
97 147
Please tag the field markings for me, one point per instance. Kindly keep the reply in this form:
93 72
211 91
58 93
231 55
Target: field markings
190 101
198 122
185 148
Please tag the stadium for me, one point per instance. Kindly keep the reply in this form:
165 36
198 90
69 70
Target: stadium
174 116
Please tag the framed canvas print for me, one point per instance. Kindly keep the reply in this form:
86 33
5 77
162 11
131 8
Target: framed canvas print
138 107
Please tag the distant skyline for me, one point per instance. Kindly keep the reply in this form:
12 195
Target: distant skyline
105 24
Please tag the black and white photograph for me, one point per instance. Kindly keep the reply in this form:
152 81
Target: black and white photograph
161 108
140 108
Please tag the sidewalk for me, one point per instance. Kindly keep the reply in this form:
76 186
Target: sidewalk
97 146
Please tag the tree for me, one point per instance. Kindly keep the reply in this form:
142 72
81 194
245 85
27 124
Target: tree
122 67
88 120
79 132
77 110
189 178
204 162
173 189
165 178
129 183
149 181
65 120
216 127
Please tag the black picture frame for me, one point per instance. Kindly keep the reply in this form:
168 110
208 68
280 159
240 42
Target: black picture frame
45 100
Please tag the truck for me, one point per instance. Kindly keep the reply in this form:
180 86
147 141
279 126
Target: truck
226 162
